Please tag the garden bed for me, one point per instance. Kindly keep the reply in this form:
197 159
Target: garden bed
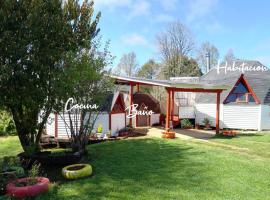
50 158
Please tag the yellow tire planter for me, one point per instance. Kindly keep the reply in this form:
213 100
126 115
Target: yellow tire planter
77 171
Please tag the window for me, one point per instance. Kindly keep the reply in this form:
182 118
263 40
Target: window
182 101
240 94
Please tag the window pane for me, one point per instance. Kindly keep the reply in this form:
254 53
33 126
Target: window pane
231 98
240 89
242 97
251 98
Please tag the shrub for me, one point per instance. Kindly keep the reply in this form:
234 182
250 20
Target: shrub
186 123
7 126
10 170
206 121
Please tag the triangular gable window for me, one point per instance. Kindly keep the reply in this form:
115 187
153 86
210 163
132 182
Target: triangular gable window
241 93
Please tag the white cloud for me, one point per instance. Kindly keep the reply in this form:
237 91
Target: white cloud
135 8
168 5
163 18
213 27
139 8
200 8
112 4
134 39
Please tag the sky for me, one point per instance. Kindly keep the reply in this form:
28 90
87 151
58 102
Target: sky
240 25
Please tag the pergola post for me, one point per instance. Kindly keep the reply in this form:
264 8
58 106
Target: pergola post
168 110
218 112
130 101
172 105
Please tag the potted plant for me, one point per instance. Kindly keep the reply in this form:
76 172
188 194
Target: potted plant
229 133
30 186
168 134
99 130
10 169
186 124
206 123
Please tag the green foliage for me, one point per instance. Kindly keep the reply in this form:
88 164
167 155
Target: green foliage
181 66
7 126
34 171
197 160
9 146
36 39
10 170
206 121
186 123
149 70
86 81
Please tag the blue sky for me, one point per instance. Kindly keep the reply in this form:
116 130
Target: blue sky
132 25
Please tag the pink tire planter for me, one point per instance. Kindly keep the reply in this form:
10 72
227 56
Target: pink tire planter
13 190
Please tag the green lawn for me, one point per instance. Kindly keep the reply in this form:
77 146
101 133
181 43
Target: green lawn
170 169
9 146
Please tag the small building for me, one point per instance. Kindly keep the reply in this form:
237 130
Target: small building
245 105
112 118
146 101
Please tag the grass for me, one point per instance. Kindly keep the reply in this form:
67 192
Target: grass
9 146
156 169
256 144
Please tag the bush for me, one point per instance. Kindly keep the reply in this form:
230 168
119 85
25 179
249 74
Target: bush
186 123
10 169
206 121
7 125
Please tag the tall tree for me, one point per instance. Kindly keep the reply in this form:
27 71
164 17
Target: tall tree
85 80
128 65
207 48
229 56
149 69
174 43
35 38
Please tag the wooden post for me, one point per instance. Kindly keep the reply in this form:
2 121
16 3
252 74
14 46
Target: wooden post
172 105
110 121
131 101
218 112
167 127
56 125
138 87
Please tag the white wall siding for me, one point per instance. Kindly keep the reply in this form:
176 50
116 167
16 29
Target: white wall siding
187 112
103 119
241 116
206 111
63 125
265 117
118 122
154 119
50 128
231 116
63 128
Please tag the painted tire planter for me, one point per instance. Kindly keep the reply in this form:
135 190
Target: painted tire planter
20 192
77 171
168 134
231 133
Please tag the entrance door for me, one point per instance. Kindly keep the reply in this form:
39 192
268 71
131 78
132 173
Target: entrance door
142 120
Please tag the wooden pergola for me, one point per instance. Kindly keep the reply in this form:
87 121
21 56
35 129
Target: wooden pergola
172 87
